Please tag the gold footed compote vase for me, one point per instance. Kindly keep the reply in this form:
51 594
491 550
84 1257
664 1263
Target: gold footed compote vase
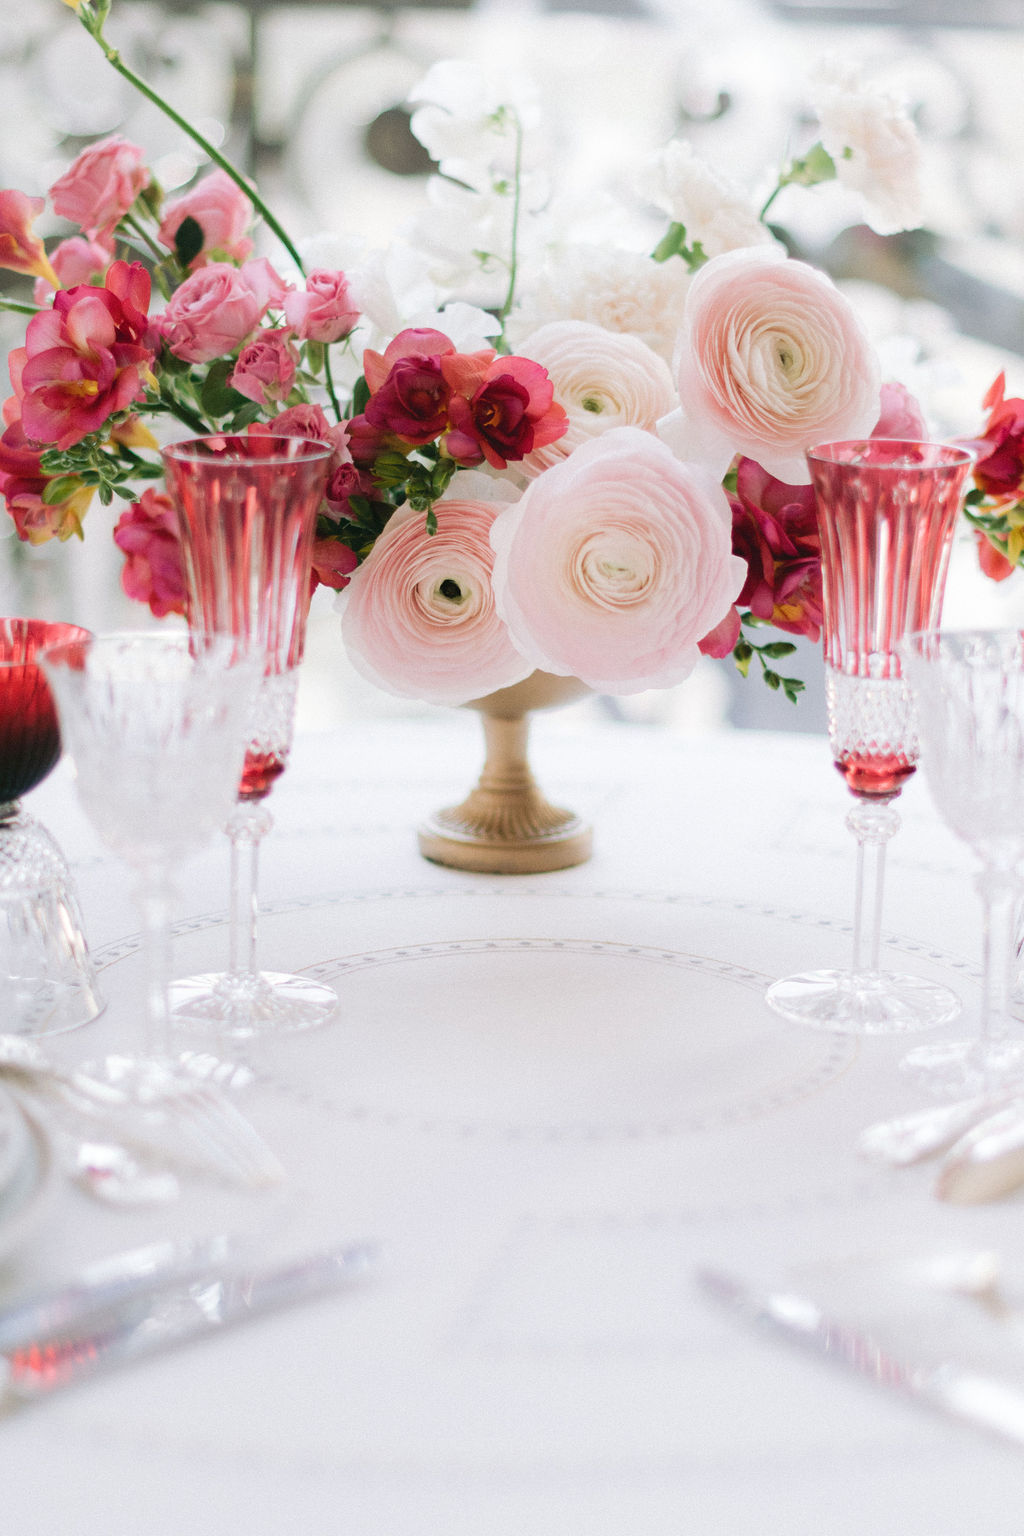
505 826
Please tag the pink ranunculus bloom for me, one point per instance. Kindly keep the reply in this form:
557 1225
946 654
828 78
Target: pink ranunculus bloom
499 412
771 359
265 370
333 564
22 484
223 213
153 572
901 415
99 187
326 312
76 260
418 616
215 311
20 249
308 421
616 563
775 530
88 358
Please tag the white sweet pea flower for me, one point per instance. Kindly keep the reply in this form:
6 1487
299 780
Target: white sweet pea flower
478 125
714 211
874 144
464 234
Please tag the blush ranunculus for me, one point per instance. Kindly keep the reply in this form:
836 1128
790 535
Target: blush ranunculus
615 564
500 409
100 185
214 311
20 249
771 359
87 358
222 211
265 370
602 379
418 617
326 311
153 572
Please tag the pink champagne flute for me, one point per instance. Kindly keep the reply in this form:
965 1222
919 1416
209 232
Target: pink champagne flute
247 509
47 980
886 512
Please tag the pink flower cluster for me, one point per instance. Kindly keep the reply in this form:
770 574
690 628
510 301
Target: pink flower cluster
479 406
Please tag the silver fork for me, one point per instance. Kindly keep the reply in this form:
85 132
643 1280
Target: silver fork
192 1124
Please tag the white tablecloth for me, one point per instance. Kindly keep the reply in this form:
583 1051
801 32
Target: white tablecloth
551 1098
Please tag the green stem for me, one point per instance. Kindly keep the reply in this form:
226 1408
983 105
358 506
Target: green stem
114 59
19 309
506 308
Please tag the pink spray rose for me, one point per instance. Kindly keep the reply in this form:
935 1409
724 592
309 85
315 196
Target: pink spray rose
615 563
901 415
771 359
265 371
223 213
153 572
214 311
325 312
308 421
418 616
99 187
76 260
87 358
20 249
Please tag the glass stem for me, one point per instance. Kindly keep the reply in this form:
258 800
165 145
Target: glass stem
873 823
248 826
999 890
154 897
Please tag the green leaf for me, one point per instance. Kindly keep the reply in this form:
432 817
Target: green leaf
672 243
188 240
217 397
57 491
360 395
247 413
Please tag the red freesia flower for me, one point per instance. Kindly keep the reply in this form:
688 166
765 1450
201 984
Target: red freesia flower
775 530
999 470
87 358
992 561
412 403
153 572
333 564
22 484
503 415
20 249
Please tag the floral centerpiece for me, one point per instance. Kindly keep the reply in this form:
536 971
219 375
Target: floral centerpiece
583 459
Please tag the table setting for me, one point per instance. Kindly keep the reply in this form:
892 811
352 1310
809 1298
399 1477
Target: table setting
528 1163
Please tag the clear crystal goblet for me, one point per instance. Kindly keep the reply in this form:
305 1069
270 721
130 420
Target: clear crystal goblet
247 509
886 513
969 690
47 979
155 726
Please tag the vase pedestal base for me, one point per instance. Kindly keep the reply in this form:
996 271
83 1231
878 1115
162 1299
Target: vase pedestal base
505 826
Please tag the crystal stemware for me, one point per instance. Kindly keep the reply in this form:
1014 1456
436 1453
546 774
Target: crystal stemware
155 726
969 692
47 979
886 513
247 513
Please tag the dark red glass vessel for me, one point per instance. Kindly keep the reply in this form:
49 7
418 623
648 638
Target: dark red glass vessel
29 732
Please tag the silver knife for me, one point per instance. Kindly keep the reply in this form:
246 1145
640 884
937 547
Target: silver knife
109 1282
969 1397
150 1323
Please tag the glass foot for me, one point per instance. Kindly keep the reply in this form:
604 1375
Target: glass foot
244 1007
962 1068
873 1003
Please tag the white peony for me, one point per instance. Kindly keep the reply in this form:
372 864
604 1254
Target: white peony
619 290
874 144
715 212
602 379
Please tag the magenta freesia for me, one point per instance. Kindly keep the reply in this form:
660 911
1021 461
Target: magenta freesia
418 617
153 573
223 213
100 185
20 249
616 563
771 359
